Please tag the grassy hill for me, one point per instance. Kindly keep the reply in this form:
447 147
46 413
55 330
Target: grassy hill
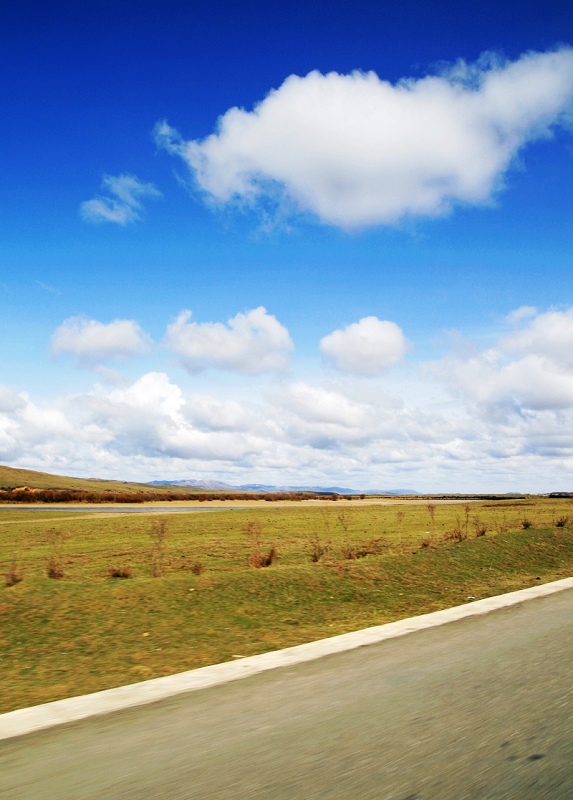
11 478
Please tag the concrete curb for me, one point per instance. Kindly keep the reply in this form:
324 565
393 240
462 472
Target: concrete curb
27 720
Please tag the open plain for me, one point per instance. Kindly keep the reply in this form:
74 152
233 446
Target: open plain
90 601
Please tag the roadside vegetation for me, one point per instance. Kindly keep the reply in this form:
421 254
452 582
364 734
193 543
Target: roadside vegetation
88 602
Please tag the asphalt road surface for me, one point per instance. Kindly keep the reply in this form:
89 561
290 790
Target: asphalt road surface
481 708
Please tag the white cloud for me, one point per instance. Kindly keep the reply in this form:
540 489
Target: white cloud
306 433
92 342
366 347
124 204
251 343
355 150
548 335
530 369
520 314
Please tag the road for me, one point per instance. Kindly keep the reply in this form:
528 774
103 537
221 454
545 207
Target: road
480 709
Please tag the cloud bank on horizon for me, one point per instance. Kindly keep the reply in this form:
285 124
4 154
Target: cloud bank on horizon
501 410
354 150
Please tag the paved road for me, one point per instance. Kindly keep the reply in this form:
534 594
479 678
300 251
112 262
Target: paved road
479 709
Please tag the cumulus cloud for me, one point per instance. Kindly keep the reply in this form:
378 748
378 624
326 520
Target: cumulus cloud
366 347
528 369
251 343
9 400
306 433
124 205
355 150
92 342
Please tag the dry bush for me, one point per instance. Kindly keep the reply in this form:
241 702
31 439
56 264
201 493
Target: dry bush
55 565
258 557
352 552
197 568
343 520
55 568
158 534
400 520
561 522
457 534
432 513
501 527
425 542
526 523
467 509
479 527
15 573
120 572
318 549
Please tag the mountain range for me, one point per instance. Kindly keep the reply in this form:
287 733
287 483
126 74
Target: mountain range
263 487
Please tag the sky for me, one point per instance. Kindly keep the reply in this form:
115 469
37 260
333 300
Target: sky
289 243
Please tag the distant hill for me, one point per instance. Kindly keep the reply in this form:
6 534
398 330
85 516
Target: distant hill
271 489
11 478
189 483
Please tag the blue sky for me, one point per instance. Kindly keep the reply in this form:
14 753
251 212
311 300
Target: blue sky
375 246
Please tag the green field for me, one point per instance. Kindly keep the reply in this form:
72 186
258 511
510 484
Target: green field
193 597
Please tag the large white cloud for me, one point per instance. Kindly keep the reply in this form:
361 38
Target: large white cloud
366 347
124 205
355 150
305 433
92 342
251 343
530 368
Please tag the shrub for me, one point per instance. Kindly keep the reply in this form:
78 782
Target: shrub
197 568
158 534
561 522
55 569
318 550
352 552
526 523
120 572
257 557
15 574
455 535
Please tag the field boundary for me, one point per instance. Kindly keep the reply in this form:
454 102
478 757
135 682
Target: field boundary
27 720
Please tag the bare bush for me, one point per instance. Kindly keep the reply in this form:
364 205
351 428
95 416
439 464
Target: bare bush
457 534
15 573
120 572
432 514
158 534
258 557
561 522
318 549
55 565
55 569
352 552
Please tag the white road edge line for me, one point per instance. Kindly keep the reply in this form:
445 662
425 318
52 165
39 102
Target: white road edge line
35 718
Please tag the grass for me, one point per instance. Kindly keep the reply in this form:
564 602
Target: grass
87 631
